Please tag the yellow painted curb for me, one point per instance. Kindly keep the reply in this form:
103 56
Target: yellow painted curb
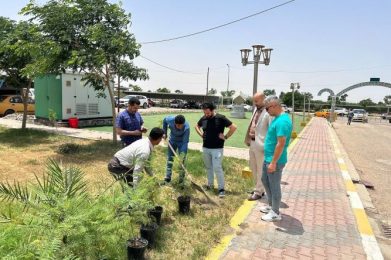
350 186
364 227
241 214
362 221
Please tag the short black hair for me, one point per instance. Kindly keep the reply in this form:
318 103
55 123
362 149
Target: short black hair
180 120
209 106
134 101
156 133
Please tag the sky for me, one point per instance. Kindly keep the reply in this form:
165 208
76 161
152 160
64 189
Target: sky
320 44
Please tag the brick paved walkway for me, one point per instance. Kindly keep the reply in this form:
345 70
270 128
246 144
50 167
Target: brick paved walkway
317 220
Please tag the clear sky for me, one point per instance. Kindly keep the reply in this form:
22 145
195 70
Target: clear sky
329 43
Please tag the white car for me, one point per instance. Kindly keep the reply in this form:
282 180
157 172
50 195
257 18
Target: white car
248 108
123 102
341 111
286 109
360 115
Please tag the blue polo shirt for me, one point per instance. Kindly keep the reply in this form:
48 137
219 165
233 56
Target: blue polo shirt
130 122
279 127
179 136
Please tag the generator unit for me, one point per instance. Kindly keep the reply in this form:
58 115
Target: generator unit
66 97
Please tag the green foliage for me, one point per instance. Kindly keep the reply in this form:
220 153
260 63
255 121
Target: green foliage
212 91
269 92
68 148
163 90
387 100
58 219
366 102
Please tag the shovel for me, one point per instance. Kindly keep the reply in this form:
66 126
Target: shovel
195 185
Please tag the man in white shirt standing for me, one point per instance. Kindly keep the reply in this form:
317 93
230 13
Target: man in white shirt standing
128 163
255 138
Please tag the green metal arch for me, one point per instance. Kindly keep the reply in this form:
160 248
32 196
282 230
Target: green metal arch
326 90
363 84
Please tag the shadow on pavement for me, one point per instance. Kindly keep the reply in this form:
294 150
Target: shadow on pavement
289 225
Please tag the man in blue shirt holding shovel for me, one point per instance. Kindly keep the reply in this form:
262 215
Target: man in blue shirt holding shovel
179 140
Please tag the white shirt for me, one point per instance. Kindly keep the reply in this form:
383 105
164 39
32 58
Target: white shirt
136 156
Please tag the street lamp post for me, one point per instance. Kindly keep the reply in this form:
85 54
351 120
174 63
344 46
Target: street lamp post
228 80
257 51
294 87
304 108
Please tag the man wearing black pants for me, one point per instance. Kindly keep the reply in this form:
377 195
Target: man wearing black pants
128 163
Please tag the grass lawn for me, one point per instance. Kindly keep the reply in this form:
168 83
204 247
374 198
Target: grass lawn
237 140
180 237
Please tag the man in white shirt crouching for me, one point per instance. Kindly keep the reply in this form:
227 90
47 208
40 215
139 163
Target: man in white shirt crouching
128 163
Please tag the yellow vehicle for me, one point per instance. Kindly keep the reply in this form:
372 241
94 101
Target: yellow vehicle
323 113
10 104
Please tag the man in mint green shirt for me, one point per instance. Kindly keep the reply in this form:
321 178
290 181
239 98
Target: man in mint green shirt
276 156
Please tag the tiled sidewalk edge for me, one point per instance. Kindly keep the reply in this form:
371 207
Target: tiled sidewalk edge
242 213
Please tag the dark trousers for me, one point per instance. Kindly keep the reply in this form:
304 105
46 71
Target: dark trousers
120 172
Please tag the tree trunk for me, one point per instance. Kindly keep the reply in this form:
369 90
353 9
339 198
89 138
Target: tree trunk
25 103
111 92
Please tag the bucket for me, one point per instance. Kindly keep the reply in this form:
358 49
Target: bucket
73 122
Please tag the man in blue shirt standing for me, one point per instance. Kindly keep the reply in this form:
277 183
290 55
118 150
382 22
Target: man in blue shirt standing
276 156
179 140
129 123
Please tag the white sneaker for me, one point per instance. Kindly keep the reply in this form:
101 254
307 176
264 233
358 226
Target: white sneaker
271 216
265 209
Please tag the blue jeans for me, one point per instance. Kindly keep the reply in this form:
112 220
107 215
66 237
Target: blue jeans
272 184
181 150
213 160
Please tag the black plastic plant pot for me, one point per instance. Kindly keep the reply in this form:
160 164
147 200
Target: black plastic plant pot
184 204
148 232
136 248
156 214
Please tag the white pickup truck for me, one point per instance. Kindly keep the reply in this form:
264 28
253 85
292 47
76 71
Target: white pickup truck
341 111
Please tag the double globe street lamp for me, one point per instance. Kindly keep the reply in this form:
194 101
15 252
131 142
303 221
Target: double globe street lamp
258 50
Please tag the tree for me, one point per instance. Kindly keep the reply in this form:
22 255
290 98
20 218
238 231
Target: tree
135 88
269 92
366 102
229 93
343 97
178 91
25 53
387 100
94 38
163 90
212 91
282 95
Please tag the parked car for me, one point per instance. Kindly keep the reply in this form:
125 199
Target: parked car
341 111
10 104
151 103
192 105
177 103
323 113
385 115
229 106
360 115
123 102
286 108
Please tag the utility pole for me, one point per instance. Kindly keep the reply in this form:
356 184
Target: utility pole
207 82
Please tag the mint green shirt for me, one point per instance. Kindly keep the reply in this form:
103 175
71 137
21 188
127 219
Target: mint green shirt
279 127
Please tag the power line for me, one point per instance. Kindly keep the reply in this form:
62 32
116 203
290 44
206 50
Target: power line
164 66
219 26
319 71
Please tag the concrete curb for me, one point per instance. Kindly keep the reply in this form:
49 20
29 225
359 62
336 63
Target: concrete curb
371 247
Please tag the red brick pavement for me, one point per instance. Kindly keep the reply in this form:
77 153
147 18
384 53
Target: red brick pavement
317 220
